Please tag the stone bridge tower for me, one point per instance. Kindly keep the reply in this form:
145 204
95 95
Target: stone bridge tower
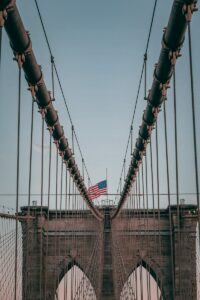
125 239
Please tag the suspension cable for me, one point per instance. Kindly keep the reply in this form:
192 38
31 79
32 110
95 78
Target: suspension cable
42 165
26 290
194 123
158 200
56 215
48 204
0 43
30 157
177 174
41 209
17 183
169 202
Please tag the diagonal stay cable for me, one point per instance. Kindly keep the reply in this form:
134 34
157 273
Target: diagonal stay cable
139 87
60 85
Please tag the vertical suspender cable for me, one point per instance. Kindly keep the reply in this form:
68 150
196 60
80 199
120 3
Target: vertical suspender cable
42 164
30 158
147 198
136 283
194 124
41 208
56 237
61 186
158 199
48 204
148 233
29 196
49 175
152 187
49 178
146 225
65 243
158 186
139 194
60 211
177 174
142 216
0 43
152 177
141 281
143 193
75 268
169 201
56 183
17 183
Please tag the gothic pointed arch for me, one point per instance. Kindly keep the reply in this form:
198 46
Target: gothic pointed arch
155 279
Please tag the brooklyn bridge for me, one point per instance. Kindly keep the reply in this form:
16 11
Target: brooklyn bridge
134 235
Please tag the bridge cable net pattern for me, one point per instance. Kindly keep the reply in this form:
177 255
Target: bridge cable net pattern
7 258
61 237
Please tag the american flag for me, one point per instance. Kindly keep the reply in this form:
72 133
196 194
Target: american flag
98 189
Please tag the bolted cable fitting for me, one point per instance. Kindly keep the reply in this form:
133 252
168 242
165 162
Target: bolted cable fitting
52 59
3 17
173 55
50 129
20 57
52 98
141 153
56 143
33 88
144 143
155 111
164 87
188 10
148 94
62 153
43 112
150 128
5 10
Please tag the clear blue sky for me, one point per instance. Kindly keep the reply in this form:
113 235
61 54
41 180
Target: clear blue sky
98 48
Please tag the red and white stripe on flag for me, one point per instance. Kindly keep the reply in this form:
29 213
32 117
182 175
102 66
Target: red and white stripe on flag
98 189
